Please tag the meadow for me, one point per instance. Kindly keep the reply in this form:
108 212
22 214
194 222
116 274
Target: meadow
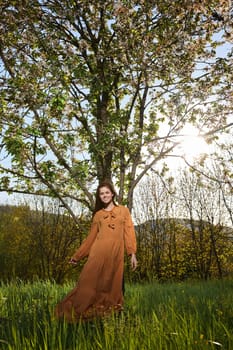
189 315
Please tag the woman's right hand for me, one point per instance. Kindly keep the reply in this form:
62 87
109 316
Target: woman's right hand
73 261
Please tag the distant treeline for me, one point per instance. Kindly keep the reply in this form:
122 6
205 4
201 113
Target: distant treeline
38 244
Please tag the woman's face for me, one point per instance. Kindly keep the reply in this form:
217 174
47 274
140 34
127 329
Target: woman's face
105 195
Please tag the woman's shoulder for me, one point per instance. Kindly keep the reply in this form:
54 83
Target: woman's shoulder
122 208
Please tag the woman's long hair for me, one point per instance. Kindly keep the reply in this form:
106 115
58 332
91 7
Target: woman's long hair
98 203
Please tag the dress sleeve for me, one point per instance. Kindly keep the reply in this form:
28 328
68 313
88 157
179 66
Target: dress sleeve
129 234
85 247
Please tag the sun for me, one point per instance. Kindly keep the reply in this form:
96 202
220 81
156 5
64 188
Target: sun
192 146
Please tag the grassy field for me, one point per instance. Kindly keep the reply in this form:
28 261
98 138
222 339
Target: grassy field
182 316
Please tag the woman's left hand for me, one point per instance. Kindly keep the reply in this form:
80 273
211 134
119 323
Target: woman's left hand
134 262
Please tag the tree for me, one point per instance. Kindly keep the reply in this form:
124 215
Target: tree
54 237
163 245
152 235
211 239
222 170
39 243
86 86
182 228
17 246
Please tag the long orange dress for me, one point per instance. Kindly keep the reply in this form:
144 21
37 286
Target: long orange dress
99 289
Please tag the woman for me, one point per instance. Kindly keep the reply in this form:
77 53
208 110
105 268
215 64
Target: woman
99 289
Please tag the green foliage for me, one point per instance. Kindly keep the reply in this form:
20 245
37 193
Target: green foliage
168 251
184 228
38 243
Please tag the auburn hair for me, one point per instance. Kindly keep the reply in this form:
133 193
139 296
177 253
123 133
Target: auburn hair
98 203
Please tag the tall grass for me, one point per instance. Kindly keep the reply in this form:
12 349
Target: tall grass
197 315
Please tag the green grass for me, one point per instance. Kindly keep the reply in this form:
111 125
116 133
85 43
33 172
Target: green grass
197 315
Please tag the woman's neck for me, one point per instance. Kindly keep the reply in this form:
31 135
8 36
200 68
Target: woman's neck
109 206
